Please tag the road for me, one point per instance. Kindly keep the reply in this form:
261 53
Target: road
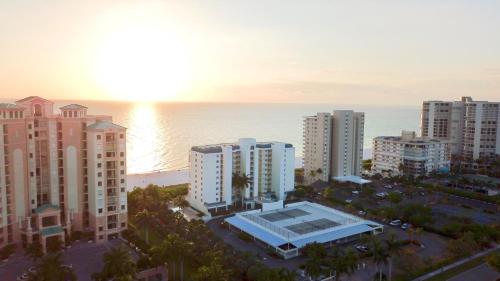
482 272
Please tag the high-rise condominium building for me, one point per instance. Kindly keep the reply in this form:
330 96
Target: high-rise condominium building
269 166
409 155
471 127
59 173
333 145
444 120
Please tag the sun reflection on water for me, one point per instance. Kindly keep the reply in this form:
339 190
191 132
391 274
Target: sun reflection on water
144 136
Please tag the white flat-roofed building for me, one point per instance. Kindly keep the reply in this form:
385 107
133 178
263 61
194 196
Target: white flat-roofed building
287 230
333 145
409 155
270 167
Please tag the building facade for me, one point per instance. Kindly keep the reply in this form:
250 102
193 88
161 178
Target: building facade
471 127
333 145
409 155
270 167
317 147
60 173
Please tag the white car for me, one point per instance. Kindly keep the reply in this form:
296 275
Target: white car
348 201
395 223
355 192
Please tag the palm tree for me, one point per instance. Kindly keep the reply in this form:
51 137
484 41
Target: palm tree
241 182
393 247
144 221
313 268
379 256
180 202
344 262
401 169
315 253
212 272
50 268
319 172
34 251
118 265
172 250
312 174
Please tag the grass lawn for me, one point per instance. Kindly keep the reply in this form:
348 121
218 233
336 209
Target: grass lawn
459 269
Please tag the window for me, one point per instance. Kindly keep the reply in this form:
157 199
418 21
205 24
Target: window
99 210
99 156
121 136
100 228
122 154
123 207
99 165
98 137
99 183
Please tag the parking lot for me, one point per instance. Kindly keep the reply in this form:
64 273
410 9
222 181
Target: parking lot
84 258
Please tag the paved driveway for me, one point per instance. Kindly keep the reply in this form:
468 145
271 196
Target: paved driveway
482 272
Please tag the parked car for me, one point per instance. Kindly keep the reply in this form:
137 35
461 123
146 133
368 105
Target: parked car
395 223
348 201
355 192
362 248
381 194
361 212
388 186
405 226
398 191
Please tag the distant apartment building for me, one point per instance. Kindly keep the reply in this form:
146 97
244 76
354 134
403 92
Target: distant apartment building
444 120
270 167
471 127
409 155
59 173
317 147
333 145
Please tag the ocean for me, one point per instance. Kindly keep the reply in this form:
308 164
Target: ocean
161 134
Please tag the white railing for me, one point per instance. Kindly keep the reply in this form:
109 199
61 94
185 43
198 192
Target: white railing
281 231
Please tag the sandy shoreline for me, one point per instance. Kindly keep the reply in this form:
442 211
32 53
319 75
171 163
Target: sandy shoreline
180 176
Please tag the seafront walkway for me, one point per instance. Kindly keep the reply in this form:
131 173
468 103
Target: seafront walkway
455 264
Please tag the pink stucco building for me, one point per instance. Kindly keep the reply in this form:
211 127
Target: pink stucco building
60 173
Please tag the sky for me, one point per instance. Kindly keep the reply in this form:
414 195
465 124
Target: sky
345 52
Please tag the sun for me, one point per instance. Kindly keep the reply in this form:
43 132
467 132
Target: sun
142 62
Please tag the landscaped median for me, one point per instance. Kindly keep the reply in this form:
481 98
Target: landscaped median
450 269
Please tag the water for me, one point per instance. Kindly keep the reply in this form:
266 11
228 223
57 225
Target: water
161 134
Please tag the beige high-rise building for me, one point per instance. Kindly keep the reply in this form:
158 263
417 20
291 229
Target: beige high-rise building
59 173
472 128
333 145
317 147
444 120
